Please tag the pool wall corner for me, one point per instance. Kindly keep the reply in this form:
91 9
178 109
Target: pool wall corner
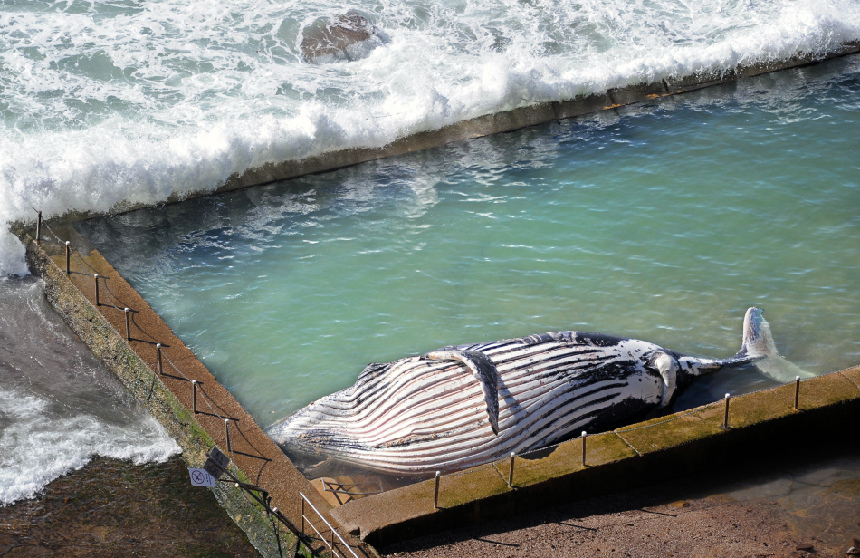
254 463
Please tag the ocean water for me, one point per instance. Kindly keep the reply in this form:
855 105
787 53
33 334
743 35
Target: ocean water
662 222
110 103
59 405
113 102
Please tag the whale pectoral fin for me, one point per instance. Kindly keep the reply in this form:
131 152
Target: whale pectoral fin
484 371
665 364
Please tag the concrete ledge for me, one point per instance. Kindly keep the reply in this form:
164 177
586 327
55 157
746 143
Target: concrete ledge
257 459
762 426
519 118
506 121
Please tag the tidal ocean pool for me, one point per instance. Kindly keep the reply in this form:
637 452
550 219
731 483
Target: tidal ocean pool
662 221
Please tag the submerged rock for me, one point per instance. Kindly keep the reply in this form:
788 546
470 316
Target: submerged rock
348 36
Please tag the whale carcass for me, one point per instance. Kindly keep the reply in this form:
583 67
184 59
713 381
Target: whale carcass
465 405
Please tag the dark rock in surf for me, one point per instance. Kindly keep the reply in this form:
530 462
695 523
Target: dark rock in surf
348 36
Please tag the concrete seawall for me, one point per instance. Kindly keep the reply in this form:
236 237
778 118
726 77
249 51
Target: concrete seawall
506 121
520 118
762 426
132 355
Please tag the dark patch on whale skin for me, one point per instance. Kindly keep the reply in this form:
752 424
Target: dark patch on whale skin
598 339
624 411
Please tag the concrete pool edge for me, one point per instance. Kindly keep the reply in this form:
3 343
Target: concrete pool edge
256 459
524 117
504 121
762 426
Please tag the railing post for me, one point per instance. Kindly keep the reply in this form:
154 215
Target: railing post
797 393
68 257
511 476
227 434
726 415
39 229
436 491
96 279
303 515
194 396
158 351
584 437
127 324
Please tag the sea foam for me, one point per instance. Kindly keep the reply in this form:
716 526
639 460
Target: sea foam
106 105
59 406
41 445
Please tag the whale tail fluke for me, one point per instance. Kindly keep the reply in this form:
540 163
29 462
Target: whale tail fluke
757 341
759 349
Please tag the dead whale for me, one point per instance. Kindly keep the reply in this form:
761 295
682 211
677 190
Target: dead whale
466 405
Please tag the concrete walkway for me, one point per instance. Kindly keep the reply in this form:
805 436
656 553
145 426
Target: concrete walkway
760 425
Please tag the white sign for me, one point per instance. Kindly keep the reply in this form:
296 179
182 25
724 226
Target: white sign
199 477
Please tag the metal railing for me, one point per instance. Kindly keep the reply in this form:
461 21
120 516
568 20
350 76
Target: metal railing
331 543
255 493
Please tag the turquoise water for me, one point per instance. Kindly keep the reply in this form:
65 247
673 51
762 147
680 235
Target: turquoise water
662 221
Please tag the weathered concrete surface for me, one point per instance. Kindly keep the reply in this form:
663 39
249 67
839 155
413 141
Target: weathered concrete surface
798 506
760 425
257 459
518 118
